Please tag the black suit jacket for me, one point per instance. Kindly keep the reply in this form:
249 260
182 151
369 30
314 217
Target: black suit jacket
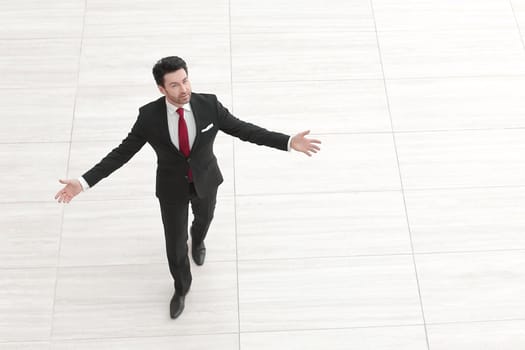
172 167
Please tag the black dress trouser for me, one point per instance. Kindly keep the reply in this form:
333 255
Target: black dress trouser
175 220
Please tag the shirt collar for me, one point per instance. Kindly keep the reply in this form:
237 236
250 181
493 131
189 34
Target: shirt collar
173 109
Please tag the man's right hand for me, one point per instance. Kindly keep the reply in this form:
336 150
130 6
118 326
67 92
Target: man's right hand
71 189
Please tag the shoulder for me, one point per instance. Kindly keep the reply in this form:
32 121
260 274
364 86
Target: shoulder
205 104
153 106
200 98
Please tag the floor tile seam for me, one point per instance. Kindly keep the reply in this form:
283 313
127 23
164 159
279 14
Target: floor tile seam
307 32
323 133
38 86
41 38
234 180
285 81
460 77
245 332
388 79
194 33
57 142
322 32
214 34
382 326
380 190
314 30
97 266
382 256
385 190
298 81
134 264
225 34
459 130
479 321
273 259
90 37
337 80
464 188
329 329
314 193
59 251
291 194
517 23
26 88
478 29
409 230
419 131
59 339
25 342
397 77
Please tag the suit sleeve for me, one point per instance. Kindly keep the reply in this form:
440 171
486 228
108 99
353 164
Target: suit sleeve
118 156
250 132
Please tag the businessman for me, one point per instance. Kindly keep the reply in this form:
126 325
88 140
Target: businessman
181 127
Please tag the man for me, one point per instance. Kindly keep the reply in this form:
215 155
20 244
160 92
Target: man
181 127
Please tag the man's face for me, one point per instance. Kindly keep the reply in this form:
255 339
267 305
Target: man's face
177 87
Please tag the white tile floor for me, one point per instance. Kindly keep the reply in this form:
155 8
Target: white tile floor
406 232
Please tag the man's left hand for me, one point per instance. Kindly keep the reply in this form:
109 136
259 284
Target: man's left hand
302 144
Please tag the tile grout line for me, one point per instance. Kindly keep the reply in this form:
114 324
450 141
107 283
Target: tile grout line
400 177
334 133
282 259
280 194
263 331
287 81
234 182
325 32
517 23
57 270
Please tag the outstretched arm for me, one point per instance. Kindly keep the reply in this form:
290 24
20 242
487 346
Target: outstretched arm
302 144
111 162
71 189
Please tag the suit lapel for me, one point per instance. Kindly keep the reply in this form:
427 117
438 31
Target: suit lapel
162 115
198 122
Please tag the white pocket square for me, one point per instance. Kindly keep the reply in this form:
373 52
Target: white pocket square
207 128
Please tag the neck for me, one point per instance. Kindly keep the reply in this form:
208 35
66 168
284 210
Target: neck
178 105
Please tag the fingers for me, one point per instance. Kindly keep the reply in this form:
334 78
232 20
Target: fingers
313 146
64 196
60 194
61 197
304 145
304 133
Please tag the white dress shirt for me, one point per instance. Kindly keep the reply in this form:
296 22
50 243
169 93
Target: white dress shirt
173 123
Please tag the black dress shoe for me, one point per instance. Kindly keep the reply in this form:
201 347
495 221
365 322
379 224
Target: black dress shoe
176 305
198 253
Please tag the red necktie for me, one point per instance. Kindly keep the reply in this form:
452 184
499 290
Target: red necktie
184 142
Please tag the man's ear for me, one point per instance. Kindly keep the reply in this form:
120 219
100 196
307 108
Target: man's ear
162 90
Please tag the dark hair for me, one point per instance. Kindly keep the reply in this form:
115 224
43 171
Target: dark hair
167 65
